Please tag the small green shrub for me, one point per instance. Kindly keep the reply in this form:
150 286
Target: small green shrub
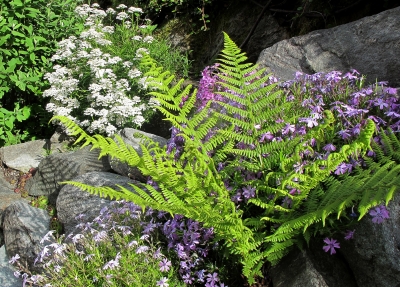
29 31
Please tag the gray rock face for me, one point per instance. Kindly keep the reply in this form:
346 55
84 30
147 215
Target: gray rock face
374 253
370 45
7 278
312 268
59 167
24 156
24 226
128 137
72 201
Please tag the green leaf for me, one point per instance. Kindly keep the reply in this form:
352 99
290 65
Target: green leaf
32 57
15 33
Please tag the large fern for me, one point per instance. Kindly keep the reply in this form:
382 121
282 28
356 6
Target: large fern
192 186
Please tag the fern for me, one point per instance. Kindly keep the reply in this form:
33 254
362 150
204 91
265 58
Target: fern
263 229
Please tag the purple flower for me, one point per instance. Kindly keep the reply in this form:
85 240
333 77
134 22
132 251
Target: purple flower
349 234
379 214
165 265
249 192
212 278
163 282
14 259
329 147
267 136
331 244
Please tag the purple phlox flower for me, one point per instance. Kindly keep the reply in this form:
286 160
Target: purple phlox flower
36 279
266 136
311 122
77 237
331 244
293 191
14 259
200 275
249 192
290 98
157 254
377 120
349 76
392 114
112 264
47 237
145 237
80 217
88 257
368 91
287 202
165 265
353 112
298 75
142 249
391 91
333 76
343 168
349 234
381 103
307 102
288 128
356 129
212 278
100 236
132 243
163 282
379 214
187 279
149 227
17 274
278 121
208 234
329 147
237 197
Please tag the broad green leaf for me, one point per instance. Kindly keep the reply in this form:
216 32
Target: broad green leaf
32 57
15 33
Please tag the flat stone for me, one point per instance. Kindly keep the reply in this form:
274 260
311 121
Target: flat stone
24 156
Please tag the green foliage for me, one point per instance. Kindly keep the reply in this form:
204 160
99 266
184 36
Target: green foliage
155 7
8 134
29 31
263 229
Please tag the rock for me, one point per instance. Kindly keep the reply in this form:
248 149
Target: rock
128 137
72 201
374 253
7 278
312 267
370 45
24 156
59 167
24 226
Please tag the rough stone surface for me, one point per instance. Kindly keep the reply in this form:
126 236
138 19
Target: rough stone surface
374 253
24 226
72 201
370 45
24 156
128 137
7 278
59 167
312 267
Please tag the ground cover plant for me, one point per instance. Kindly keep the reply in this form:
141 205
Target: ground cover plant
266 165
97 80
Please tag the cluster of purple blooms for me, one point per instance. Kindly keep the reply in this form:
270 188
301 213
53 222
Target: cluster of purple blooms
343 94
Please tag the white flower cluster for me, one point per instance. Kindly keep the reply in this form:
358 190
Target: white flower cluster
86 89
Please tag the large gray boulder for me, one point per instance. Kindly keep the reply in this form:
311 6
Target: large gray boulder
129 138
59 167
370 45
374 253
24 226
72 201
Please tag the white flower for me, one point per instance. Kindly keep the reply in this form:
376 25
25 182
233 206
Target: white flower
110 11
148 39
143 26
137 38
134 73
95 5
103 42
135 10
127 64
83 10
121 6
121 16
141 51
127 24
108 29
